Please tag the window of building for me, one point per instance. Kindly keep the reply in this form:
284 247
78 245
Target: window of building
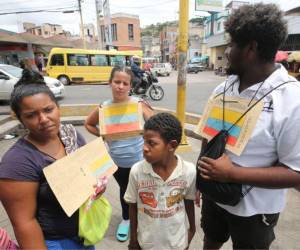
219 26
99 60
130 32
102 28
78 60
39 32
57 59
114 34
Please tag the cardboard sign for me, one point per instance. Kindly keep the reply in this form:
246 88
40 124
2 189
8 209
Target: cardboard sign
72 177
212 121
121 120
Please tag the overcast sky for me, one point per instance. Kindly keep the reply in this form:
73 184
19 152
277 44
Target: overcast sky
149 11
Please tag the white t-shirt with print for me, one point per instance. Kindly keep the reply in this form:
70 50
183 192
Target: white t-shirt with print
276 138
161 215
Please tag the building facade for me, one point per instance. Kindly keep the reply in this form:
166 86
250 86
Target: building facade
293 20
125 31
151 47
168 44
197 47
44 30
89 32
215 37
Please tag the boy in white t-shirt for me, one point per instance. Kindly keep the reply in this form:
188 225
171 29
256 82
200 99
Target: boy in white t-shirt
161 190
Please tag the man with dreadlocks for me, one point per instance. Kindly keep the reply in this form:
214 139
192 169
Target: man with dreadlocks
270 161
161 190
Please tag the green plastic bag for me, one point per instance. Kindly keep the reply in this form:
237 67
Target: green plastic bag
94 222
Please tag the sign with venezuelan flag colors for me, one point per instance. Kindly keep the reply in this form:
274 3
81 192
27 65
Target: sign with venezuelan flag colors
239 134
121 120
72 178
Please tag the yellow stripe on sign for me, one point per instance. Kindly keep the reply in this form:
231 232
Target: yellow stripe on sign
120 110
96 164
230 116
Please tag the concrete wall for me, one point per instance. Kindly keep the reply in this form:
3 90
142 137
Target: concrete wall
217 57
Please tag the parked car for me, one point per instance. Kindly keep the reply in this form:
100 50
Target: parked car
194 67
161 69
9 76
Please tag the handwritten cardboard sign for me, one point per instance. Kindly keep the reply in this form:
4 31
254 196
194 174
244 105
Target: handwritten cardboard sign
72 177
121 120
212 121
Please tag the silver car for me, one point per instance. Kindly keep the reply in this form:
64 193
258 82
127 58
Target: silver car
9 75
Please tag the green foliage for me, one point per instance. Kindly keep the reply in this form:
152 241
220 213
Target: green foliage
155 29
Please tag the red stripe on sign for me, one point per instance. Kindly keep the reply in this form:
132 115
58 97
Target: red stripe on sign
212 132
231 140
120 128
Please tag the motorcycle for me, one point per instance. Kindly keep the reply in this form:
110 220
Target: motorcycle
148 87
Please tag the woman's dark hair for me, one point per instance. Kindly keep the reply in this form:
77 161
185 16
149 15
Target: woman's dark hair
121 69
30 83
167 125
262 23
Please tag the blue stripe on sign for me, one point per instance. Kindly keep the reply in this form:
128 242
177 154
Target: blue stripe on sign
115 119
217 125
103 169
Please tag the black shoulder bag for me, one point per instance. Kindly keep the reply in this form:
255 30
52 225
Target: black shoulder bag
225 193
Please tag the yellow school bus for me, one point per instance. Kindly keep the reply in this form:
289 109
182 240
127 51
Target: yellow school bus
82 65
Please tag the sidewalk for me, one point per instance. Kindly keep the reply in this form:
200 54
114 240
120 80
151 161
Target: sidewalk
287 230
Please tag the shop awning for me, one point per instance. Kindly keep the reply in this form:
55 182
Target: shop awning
281 56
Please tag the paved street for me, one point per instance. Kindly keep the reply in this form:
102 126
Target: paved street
199 87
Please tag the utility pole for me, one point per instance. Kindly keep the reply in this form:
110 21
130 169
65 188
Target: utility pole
98 12
107 23
182 54
81 21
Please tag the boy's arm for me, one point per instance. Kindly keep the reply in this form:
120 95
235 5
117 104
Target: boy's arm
198 193
133 243
190 211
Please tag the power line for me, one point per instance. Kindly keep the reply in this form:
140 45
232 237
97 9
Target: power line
37 8
32 2
36 11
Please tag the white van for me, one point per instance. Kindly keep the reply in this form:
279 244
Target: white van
161 69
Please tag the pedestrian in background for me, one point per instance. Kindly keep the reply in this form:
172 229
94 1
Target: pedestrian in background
38 219
270 162
39 62
161 190
124 152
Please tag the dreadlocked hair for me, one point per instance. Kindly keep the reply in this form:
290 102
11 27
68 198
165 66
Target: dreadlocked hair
167 125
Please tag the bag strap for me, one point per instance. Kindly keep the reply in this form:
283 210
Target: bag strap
257 103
